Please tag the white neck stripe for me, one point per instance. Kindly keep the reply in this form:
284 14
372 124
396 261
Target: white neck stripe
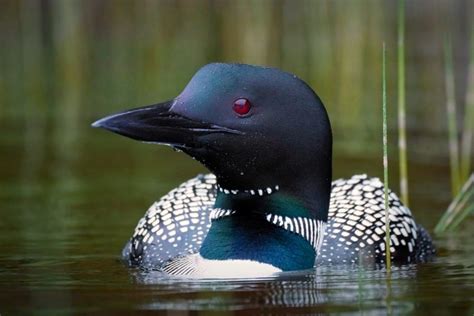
257 191
309 228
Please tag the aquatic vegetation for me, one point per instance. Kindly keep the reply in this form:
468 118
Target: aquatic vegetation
466 138
462 204
459 209
451 118
402 139
385 158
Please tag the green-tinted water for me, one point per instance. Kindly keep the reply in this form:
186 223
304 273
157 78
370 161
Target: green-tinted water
70 196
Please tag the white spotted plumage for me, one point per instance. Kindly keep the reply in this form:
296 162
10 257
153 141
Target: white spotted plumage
356 225
176 225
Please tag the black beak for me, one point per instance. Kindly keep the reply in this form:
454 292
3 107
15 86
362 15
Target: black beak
157 124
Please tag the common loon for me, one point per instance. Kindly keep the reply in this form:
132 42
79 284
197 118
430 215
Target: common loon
269 204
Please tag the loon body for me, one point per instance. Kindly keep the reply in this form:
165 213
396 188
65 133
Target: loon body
269 204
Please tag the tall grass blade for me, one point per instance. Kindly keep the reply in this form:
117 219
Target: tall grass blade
385 160
461 206
402 139
462 215
466 145
451 117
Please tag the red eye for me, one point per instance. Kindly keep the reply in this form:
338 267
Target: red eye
242 106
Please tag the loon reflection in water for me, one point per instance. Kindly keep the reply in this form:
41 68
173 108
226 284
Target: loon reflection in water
346 286
269 204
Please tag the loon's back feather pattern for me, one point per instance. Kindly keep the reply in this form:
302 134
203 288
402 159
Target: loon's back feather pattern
356 226
176 225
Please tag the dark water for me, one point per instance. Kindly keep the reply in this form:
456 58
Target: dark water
62 230
70 196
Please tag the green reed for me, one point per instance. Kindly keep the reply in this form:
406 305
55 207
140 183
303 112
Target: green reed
463 202
466 138
451 119
402 139
459 209
385 159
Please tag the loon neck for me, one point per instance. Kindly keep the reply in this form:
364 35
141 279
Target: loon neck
276 200
276 228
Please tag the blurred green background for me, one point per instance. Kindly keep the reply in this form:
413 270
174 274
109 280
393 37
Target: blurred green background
64 64
70 195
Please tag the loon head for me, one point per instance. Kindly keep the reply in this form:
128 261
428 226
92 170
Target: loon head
258 129
266 136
